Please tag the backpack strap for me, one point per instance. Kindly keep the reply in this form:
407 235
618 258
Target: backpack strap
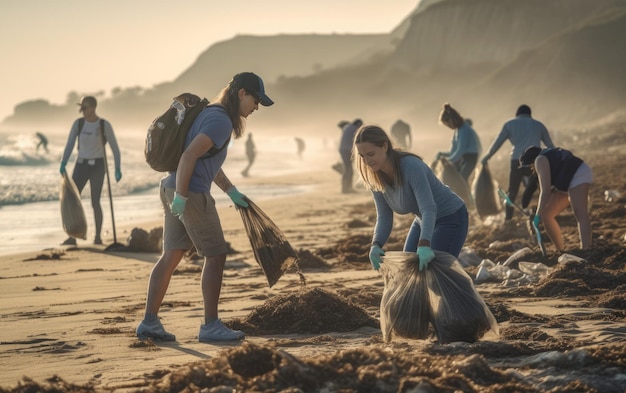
214 150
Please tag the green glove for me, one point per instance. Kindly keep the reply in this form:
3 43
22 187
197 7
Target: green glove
536 221
238 198
375 256
178 205
118 175
425 255
62 169
484 161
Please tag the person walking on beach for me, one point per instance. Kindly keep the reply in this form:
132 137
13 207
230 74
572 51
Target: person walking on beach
345 150
401 132
250 154
402 183
522 131
43 141
190 217
92 133
300 145
563 179
465 142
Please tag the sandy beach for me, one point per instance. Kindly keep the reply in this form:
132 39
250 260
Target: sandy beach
68 316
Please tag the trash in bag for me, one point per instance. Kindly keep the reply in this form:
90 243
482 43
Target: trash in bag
443 296
485 193
271 249
72 212
450 176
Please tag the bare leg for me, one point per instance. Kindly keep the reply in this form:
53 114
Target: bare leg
556 203
579 197
160 279
212 273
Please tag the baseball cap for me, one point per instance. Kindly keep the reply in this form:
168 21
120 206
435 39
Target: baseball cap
88 101
253 83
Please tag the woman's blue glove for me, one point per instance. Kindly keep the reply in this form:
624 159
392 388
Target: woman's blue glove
425 255
237 197
62 169
118 175
178 205
375 256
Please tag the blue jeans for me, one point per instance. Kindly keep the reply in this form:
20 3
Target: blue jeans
449 234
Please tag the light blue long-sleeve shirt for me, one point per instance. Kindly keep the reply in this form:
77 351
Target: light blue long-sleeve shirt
523 131
420 193
464 141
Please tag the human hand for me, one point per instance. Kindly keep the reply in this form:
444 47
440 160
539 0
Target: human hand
178 205
118 175
425 255
375 256
484 160
237 197
62 169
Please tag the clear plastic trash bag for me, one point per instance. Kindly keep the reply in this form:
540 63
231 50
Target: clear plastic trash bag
443 296
72 212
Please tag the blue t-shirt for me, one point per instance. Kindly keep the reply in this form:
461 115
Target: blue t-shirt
420 193
214 123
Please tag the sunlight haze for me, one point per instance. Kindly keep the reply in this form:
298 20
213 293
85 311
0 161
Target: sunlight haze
52 48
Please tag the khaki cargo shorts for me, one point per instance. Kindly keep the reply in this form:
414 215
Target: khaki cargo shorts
200 225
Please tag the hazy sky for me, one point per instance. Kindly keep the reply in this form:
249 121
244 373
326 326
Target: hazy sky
51 47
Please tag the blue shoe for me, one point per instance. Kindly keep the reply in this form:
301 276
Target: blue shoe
216 331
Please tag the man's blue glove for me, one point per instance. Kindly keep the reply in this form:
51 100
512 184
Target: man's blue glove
375 256
425 255
62 169
536 221
118 175
237 197
178 205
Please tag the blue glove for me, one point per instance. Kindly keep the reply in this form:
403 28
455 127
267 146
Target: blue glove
118 175
536 221
375 256
425 255
178 205
237 197
62 169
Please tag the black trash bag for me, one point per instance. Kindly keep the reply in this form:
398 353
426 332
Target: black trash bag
72 212
443 296
271 249
485 192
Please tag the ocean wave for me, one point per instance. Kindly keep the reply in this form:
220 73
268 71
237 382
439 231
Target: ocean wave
21 158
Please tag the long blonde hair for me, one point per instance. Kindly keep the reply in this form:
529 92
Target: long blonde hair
377 137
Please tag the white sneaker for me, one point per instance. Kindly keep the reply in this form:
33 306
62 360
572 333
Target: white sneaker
153 330
216 331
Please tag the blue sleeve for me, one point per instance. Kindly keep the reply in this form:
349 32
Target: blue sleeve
112 141
417 179
500 139
459 147
71 141
384 219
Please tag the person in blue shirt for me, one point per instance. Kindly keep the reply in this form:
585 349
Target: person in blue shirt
190 217
465 147
403 183
345 150
522 131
